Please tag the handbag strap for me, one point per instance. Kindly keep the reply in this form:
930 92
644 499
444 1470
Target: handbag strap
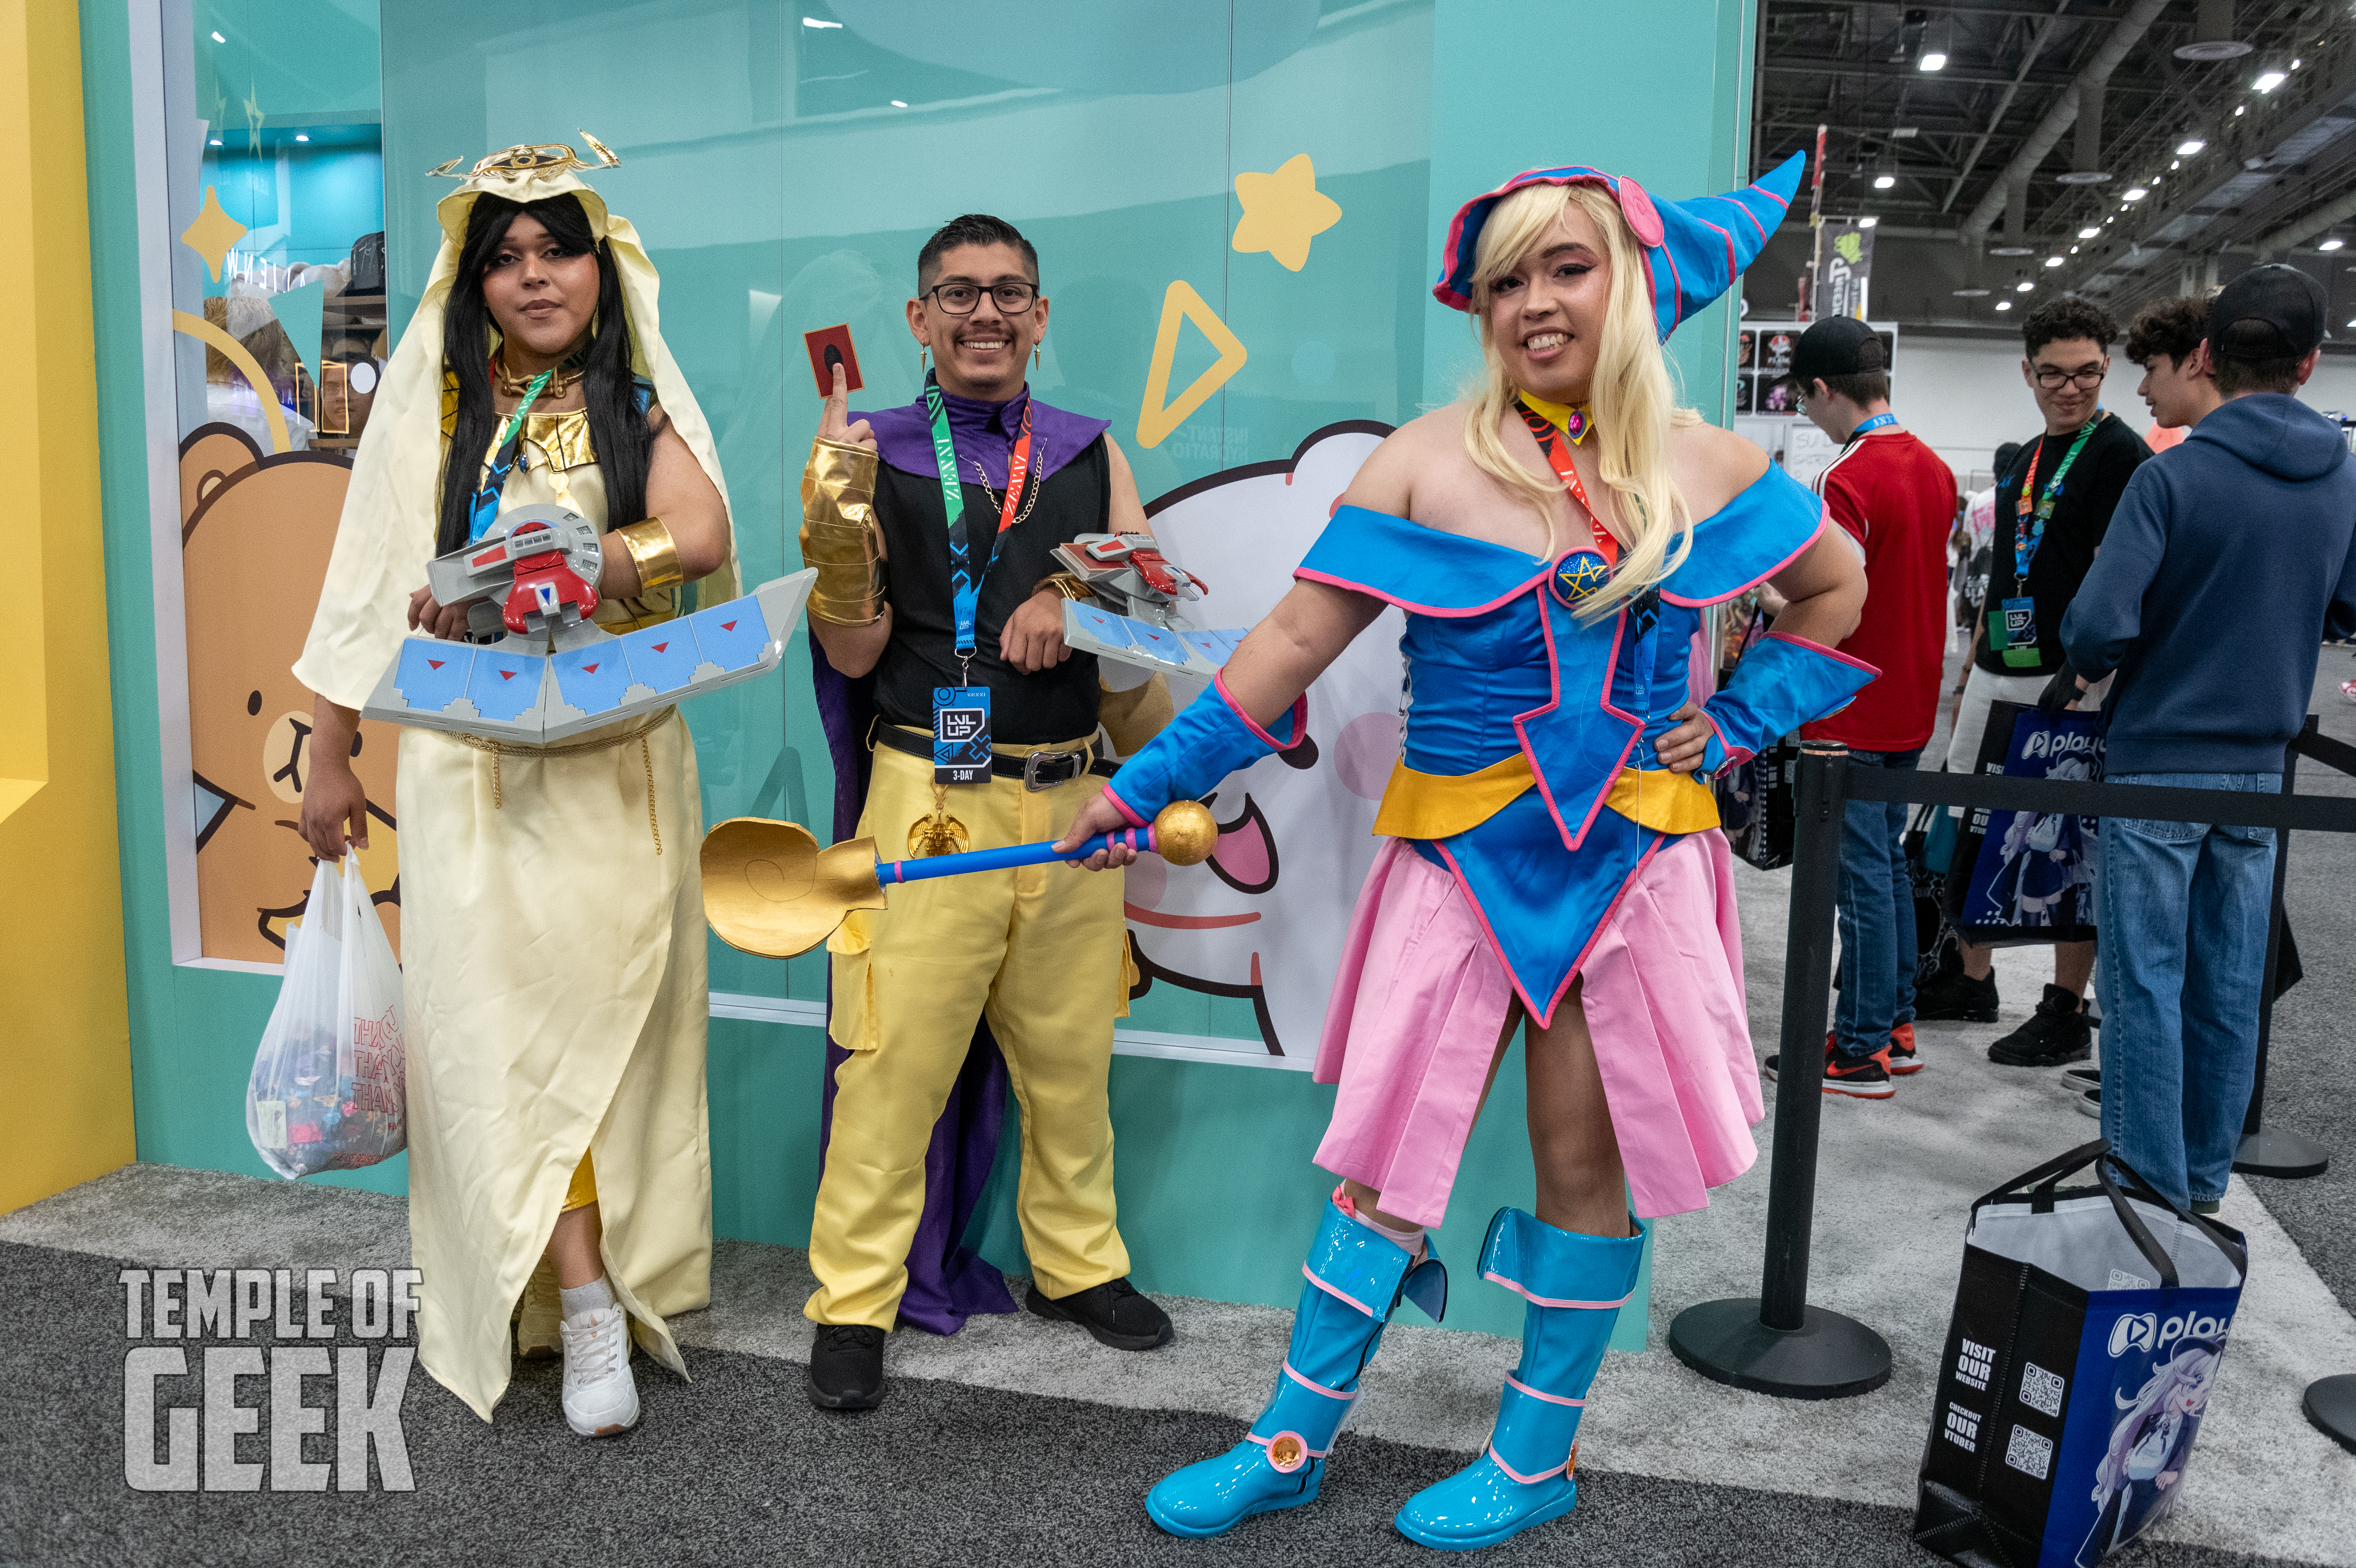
2045 1178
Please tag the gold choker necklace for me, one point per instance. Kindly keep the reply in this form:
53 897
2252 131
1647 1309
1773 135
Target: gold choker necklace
560 380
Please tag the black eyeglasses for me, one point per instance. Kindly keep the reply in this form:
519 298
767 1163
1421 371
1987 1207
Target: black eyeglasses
959 299
2051 378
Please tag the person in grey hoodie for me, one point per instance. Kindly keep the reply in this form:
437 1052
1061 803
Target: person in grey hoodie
2209 599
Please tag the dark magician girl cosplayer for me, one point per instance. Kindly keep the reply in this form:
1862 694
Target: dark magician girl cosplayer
1552 855
552 934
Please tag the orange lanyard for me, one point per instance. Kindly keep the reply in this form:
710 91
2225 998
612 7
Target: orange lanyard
1558 456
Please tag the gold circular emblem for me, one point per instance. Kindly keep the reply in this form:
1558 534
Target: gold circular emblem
1184 833
1286 1452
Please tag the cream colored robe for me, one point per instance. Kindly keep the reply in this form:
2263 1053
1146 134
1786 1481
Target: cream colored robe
553 975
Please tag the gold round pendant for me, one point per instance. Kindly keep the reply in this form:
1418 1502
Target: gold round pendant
939 834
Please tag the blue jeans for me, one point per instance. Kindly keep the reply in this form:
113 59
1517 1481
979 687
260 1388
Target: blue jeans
2184 909
1876 909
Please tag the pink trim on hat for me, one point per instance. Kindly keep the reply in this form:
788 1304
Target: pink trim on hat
1644 218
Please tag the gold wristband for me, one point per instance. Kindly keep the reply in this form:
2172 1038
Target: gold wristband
1067 584
839 535
654 553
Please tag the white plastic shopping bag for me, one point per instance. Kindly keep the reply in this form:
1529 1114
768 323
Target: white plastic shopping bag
326 1093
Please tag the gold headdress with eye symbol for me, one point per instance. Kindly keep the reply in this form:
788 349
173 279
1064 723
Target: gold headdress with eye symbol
528 161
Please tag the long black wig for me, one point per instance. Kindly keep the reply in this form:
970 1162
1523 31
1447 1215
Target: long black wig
617 426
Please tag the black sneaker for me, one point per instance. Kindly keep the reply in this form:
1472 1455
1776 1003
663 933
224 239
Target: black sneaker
1957 997
846 1366
1113 1312
1862 1077
2055 1033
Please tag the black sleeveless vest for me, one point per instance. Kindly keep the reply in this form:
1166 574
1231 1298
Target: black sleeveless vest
1055 704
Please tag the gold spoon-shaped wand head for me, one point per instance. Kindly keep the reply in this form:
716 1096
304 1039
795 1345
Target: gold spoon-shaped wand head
768 888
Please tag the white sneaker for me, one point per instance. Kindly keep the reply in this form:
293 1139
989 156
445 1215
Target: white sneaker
599 1398
539 1324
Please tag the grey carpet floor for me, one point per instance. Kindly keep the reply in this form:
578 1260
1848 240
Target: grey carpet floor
738 1468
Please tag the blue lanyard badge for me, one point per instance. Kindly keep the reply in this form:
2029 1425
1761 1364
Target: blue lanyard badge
1880 421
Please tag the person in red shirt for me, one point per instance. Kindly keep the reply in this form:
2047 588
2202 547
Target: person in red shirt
1893 497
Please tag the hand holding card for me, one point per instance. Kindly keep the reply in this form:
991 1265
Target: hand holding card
836 365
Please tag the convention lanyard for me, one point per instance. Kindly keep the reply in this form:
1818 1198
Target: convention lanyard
2028 524
1557 457
1880 421
965 590
501 462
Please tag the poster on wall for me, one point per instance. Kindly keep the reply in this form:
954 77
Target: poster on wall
1263 919
1767 402
1844 270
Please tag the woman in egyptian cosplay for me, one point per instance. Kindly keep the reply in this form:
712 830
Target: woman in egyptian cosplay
1553 859
551 913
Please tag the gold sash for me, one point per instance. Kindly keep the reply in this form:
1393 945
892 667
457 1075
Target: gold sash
1440 805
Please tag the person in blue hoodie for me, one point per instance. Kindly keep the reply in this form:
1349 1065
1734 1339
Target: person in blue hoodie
2209 599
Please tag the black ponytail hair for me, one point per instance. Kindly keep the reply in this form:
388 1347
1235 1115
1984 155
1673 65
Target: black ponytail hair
617 426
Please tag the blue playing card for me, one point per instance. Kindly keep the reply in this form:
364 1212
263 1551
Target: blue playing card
592 679
504 686
1109 629
732 636
1210 645
1158 644
432 673
662 658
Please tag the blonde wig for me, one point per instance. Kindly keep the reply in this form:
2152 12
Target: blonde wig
1634 406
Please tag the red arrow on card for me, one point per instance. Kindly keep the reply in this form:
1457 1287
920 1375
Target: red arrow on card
662 647
436 663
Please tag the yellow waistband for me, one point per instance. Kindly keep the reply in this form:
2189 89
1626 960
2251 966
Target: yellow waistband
1440 805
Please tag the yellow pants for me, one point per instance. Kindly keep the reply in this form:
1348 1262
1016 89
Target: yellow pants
1041 951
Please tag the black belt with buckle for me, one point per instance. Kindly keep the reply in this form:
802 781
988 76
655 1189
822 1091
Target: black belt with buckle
1036 770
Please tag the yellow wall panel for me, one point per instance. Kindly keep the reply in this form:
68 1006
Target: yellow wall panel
65 1065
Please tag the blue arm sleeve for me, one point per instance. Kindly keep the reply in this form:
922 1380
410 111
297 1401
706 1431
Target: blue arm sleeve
1194 751
1781 683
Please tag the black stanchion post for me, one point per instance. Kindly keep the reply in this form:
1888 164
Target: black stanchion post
2263 1151
1775 1342
2330 1406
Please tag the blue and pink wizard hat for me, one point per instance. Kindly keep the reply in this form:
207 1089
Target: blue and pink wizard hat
1697 248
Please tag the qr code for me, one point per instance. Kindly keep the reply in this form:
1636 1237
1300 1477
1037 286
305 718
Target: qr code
2041 1390
2030 1454
2121 1280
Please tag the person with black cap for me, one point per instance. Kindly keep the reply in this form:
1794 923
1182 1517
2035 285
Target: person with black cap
2208 600
1896 500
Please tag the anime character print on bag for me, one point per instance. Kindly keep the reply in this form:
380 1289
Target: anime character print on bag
1551 857
552 942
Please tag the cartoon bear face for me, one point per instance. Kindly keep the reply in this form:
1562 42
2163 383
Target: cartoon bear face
255 534
1264 916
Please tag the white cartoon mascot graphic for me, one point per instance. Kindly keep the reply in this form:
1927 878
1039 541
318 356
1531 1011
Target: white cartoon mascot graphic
1264 916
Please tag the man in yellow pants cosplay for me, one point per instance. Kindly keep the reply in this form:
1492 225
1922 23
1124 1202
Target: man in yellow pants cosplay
960 608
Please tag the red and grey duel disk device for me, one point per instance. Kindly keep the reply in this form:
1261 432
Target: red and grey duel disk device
1138 616
554 673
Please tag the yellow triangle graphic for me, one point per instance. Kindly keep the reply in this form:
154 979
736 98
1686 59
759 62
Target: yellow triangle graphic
1155 418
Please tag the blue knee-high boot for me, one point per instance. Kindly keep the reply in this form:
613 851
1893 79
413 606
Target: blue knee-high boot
1355 1279
1575 1286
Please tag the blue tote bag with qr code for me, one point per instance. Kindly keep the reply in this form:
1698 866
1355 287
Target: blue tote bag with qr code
2089 1327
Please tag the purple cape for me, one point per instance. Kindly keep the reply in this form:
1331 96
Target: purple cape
984 433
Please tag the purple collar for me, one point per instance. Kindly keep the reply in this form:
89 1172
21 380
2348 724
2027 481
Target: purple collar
984 433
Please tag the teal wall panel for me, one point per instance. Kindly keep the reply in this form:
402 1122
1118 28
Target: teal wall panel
780 189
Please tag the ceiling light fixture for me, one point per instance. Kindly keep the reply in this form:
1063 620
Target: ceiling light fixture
2053 261
1883 182
2023 286
214 143
218 39
2332 244
301 135
2268 80
2090 232
2212 35
2189 146
1867 222
2004 305
814 22
2134 193
1971 294
899 103
1932 59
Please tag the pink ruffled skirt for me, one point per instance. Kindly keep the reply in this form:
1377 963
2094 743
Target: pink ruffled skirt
1421 998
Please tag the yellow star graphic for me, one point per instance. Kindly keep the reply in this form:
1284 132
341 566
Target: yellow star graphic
1284 211
212 233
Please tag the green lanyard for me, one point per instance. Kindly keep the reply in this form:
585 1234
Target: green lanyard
502 460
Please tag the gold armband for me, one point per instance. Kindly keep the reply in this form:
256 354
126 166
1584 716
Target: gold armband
653 551
1067 584
839 535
